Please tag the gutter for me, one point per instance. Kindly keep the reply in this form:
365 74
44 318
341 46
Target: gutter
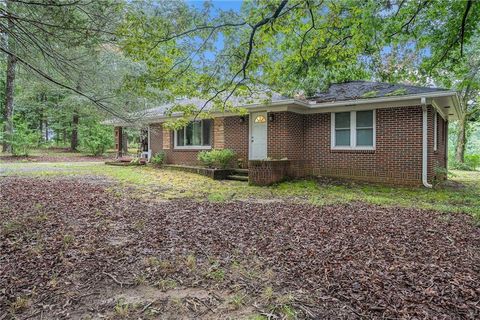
381 99
425 143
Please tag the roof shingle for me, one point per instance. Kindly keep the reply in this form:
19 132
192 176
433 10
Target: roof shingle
355 90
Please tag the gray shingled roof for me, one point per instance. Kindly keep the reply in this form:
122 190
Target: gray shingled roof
354 90
234 100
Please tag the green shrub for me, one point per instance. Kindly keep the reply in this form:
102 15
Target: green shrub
460 166
473 161
23 139
96 139
223 158
158 158
216 158
205 157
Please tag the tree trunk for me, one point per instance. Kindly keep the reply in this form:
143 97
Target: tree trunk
74 137
40 126
461 140
124 142
46 131
9 90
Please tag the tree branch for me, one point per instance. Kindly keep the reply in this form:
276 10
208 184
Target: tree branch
45 76
468 6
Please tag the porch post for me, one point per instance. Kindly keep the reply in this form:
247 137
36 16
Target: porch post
118 141
124 142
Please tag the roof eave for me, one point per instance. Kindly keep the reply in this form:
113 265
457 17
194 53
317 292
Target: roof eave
383 99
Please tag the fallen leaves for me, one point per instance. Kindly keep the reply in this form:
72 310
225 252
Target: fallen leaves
62 240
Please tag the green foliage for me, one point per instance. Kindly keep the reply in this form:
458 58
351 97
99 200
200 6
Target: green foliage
205 157
23 139
473 161
216 158
370 94
397 92
158 158
466 166
96 138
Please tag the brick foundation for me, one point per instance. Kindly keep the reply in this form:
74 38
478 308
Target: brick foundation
267 172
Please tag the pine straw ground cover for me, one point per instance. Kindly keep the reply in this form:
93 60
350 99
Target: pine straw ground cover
71 249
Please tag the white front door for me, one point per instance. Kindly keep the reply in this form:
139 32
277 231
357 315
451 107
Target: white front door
258 135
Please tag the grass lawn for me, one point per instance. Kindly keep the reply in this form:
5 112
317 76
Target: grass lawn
461 194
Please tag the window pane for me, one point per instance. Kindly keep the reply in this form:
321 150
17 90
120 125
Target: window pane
260 119
342 120
365 119
364 137
206 132
180 137
189 134
342 138
197 133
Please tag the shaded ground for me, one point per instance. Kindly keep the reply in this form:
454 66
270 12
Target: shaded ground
55 155
461 193
71 248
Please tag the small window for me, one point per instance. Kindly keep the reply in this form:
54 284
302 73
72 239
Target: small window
260 119
195 135
353 130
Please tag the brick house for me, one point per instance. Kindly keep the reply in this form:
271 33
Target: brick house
378 132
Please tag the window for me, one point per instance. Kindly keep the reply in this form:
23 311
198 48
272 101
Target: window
196 135
353 130
260 119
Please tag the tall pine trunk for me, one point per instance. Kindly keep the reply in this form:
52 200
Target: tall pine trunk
46 131
461 140
9 90
74 137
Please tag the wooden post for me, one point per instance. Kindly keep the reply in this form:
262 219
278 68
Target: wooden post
118 141
124 142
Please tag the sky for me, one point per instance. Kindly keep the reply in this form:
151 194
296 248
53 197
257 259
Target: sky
223 5
220 4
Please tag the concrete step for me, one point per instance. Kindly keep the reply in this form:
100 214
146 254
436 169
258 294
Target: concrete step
240 172
237 177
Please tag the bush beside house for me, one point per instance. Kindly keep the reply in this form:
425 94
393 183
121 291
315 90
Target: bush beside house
220 159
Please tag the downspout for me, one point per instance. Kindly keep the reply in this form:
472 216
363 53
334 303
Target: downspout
149 152
425 143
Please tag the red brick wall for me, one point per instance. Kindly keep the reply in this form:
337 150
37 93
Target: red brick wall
305 140
156 136
236 136
390 162
286 136
267 172
188 157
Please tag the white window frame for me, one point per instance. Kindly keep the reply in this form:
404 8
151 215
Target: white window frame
199 147
353 132
435 131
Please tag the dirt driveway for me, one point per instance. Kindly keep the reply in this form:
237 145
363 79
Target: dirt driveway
73 248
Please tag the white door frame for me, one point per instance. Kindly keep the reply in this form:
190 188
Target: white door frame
250 123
